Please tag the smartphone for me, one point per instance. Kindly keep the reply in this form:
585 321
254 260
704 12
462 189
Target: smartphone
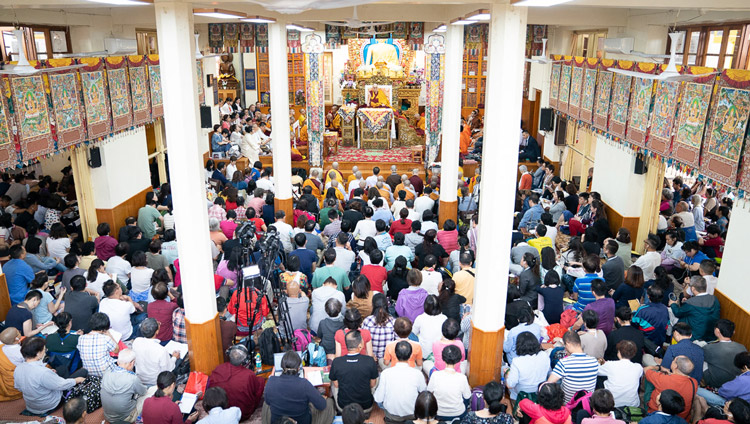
672 296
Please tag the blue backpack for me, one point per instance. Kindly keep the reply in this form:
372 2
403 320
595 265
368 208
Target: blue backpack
316 355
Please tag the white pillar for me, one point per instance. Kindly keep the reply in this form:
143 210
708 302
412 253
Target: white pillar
503 96
174 22
451 125
279 82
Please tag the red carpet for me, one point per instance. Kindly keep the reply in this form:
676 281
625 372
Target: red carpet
353 154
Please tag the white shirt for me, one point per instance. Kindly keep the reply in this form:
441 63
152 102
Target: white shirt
231 169
285 235
413 215
429 329
13 352
450 389
354 184
344 258
217 415
423 203
688 220
527 371
226 109
623 378
118 312
648 262
140 279
151 358
98 284
371 181
431 280
365 228
428 225
552 234
58 248
119 267
396 208
398 389
711 283
266 184
319 298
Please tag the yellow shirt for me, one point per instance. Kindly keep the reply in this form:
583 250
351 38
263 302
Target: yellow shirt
337 122
339 176
465 284
540 243
409 194
421 123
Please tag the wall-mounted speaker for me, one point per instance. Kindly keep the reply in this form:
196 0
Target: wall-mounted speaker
95 157
206 117
546 118
641 164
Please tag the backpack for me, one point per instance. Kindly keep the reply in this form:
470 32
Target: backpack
269 344
302 338
89 390
580 401
315 355
476 402
630 414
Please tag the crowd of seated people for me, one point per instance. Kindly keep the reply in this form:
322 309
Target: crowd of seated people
386 294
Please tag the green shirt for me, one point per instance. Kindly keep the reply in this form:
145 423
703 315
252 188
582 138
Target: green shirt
147 216
323 220
321 275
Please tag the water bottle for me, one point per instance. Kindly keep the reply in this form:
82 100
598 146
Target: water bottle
258 363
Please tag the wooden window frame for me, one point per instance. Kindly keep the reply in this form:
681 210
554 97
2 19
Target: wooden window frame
740 55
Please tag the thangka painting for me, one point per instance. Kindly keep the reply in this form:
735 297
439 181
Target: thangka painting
32 116
576 85
589 90
564 96
554 84
618 113
139 89
640 110
8 156
95 99
663 120
691 119
602 97
119 93
154 82
69 111
199 76
726 131
745 173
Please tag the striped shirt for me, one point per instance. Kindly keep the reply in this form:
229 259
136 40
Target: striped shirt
582 286
578 372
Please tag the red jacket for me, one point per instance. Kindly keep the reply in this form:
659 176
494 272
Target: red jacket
244 388
540 415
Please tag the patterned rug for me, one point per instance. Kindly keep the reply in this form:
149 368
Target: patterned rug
353 154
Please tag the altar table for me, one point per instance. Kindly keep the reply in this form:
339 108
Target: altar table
375 128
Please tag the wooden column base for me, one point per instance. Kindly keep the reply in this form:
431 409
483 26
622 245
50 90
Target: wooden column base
447 210
286 205
204 345
485 356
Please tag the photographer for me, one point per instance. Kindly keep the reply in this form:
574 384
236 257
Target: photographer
244 389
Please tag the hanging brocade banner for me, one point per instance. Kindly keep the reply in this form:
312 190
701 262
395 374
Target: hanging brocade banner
119 92
692 116
231 36
139 89
333 36
261 38
8 157
216 37
293 41
434 71
33 116
666 97
603 94
576 87
65 89
315 106
416 35
639 108
247 37
730 111
95 97
473 38
154 83
399 30
588 92
618 109
563 96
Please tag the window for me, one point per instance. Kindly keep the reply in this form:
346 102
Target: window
588 44
40 42
722 47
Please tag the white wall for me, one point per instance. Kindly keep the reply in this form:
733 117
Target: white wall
250 62
733 273
54 164
124 171
614 178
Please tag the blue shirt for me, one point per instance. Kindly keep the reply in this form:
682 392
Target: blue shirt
383 214
689 349
215 140
531 218
306 258
582 286
696 259
18 274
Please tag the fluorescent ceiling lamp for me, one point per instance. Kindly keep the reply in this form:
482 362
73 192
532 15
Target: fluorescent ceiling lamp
462 21
259 20
123 2
479 15
218 13
299 28
539 3
441 28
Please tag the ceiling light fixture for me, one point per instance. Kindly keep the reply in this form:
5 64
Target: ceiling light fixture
299 28
538 3
259 20
441 28
124 2
462 21
218 13
479 15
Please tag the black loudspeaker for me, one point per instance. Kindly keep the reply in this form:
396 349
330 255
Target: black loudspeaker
641 167
206 117
546 118
95 157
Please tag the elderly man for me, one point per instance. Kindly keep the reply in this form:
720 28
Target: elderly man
394 179
244 389
334 173
384 192
355 169
678 380
406 186
355 180
682 210
416 181
701 311
122 393
525 182
314 183
151 357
